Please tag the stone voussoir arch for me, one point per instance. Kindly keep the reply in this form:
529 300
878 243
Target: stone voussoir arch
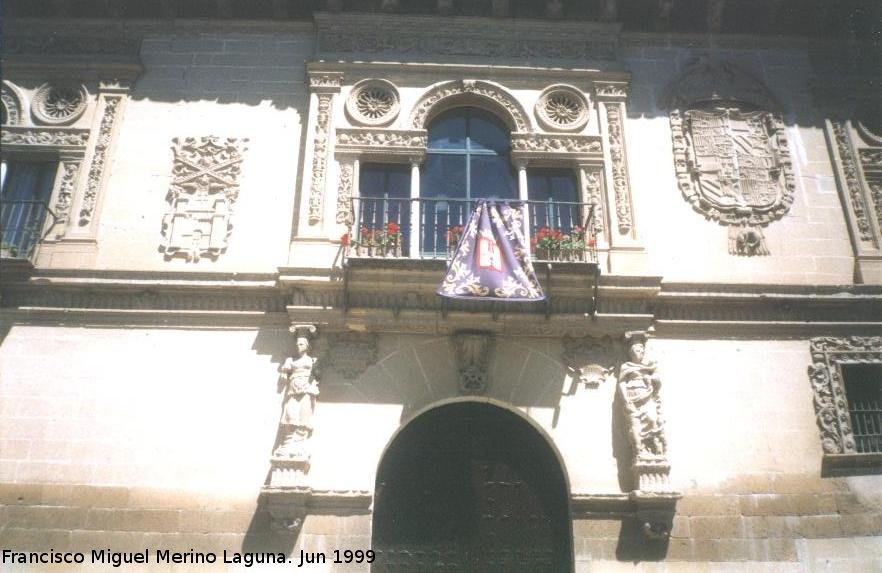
12 103
482 93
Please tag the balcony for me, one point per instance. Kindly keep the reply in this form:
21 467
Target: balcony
430 228
21 227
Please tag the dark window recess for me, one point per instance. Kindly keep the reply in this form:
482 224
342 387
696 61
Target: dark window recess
556 204
863 388
383 209
25 188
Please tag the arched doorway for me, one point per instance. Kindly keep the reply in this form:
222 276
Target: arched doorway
470 486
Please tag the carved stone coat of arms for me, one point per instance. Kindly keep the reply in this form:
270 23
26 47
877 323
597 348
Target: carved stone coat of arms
732 160
203 190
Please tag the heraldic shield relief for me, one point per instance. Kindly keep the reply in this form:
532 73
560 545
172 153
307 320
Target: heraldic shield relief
491 261
730 151
735 172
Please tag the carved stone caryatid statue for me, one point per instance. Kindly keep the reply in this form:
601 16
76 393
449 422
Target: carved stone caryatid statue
297 377
638 388
639 385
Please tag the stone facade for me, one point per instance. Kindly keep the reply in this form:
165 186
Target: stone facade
138 399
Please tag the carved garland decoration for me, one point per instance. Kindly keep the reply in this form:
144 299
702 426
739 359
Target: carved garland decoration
472 356
562 108
99 158
59 105
619 167
592 194
45 136
344 193
825 374
852 182
482 89
203 190
373 103
319 158
555 143
66 190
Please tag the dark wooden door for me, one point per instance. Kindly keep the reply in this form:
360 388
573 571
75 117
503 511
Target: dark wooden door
473 488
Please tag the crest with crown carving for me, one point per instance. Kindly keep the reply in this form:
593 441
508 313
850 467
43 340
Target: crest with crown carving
730 151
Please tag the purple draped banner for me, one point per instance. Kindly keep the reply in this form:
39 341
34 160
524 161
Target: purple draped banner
491 261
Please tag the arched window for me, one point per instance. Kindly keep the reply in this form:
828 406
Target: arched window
468 157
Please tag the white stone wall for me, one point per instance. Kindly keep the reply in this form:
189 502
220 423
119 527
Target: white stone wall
243 86
809 245
198 409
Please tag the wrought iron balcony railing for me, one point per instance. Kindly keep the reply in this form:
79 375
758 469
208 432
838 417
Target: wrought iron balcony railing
430 228
21 226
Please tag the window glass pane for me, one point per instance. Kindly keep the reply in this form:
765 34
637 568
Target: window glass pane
443 176
383 205
28 181
448 131
550 188
486 132
492 177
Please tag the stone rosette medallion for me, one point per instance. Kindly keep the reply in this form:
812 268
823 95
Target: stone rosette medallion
562 108
60 104
373 102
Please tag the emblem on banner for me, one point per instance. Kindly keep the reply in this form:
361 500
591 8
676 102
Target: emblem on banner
491 261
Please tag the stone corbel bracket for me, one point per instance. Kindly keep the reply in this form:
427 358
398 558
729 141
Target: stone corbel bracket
556 148
655 513
472 357
288 507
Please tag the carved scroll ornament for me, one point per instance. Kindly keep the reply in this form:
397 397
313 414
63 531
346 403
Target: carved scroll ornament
825 374
10 105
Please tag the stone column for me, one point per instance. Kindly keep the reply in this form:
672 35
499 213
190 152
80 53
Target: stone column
416 212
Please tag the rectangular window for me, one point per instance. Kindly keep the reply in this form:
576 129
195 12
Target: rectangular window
382 210
556 199
863 389
25 190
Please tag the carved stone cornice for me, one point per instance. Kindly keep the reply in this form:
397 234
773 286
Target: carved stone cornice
556 146
429 36
325 82
16 138
611 91
64 55
380 142
829 354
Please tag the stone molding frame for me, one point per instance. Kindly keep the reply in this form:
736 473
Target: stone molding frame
829 354
857 158
710 96
82 152
339 142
